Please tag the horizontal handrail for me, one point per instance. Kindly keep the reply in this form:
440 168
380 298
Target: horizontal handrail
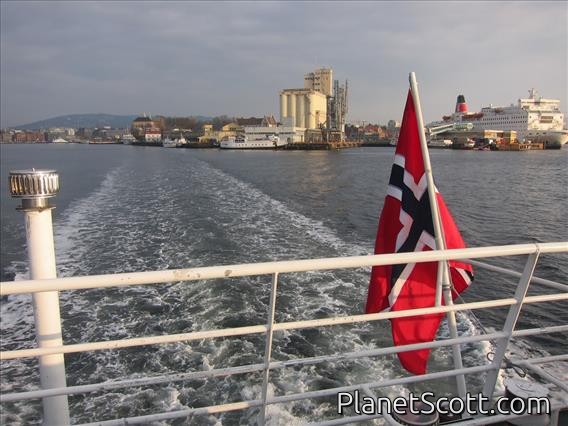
214 409
265 268
275 268
546 359
257 329
250 368
536 280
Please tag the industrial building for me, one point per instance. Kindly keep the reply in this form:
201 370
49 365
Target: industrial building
320 80
320 105
305 108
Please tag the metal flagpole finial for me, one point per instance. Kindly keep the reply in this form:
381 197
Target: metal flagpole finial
34 187
412 79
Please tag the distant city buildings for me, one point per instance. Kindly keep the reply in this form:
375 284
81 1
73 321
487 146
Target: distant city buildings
28 136
250 126
35 136
147 129
314 113
393 125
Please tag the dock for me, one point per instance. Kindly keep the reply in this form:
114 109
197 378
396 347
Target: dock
199 145
515 146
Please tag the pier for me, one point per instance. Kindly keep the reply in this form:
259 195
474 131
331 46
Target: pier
520 147
199 145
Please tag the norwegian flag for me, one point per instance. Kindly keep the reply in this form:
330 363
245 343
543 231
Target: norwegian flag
406 225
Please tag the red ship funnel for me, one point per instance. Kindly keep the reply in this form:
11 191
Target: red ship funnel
461 106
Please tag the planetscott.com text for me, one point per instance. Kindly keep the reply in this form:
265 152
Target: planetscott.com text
427 403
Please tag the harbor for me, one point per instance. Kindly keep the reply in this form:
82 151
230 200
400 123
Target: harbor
314 117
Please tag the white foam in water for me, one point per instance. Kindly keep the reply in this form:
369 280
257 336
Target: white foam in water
71 229
294 221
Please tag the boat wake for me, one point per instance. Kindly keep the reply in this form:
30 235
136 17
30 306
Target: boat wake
197 215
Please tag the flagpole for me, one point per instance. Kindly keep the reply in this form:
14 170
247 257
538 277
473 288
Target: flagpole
443 278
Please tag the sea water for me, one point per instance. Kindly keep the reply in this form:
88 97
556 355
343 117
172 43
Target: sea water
128 208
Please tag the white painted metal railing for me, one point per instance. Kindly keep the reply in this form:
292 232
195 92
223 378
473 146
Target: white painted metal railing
275 268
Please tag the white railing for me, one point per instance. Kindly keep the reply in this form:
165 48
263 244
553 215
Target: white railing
515 303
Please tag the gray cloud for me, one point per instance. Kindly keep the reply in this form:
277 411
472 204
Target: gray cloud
182 58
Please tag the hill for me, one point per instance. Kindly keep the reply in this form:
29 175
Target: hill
82 120
77 121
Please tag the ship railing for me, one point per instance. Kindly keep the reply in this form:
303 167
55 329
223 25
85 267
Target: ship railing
551 292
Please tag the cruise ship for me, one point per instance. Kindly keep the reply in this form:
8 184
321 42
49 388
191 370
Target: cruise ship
535 119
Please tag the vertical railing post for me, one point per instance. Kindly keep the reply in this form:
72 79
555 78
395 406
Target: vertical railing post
268 347
509 326
34 188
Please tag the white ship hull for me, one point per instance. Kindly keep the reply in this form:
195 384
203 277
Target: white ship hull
552 139
440 143
244 143
169 143
127 139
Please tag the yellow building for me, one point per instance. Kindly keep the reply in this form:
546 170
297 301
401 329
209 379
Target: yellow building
227 131
320 80
305 108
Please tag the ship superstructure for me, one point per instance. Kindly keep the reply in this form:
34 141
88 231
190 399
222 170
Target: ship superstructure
534 119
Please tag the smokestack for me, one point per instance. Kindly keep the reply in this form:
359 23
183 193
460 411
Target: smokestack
461 106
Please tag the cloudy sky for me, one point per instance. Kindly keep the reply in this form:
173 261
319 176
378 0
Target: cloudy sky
213 58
